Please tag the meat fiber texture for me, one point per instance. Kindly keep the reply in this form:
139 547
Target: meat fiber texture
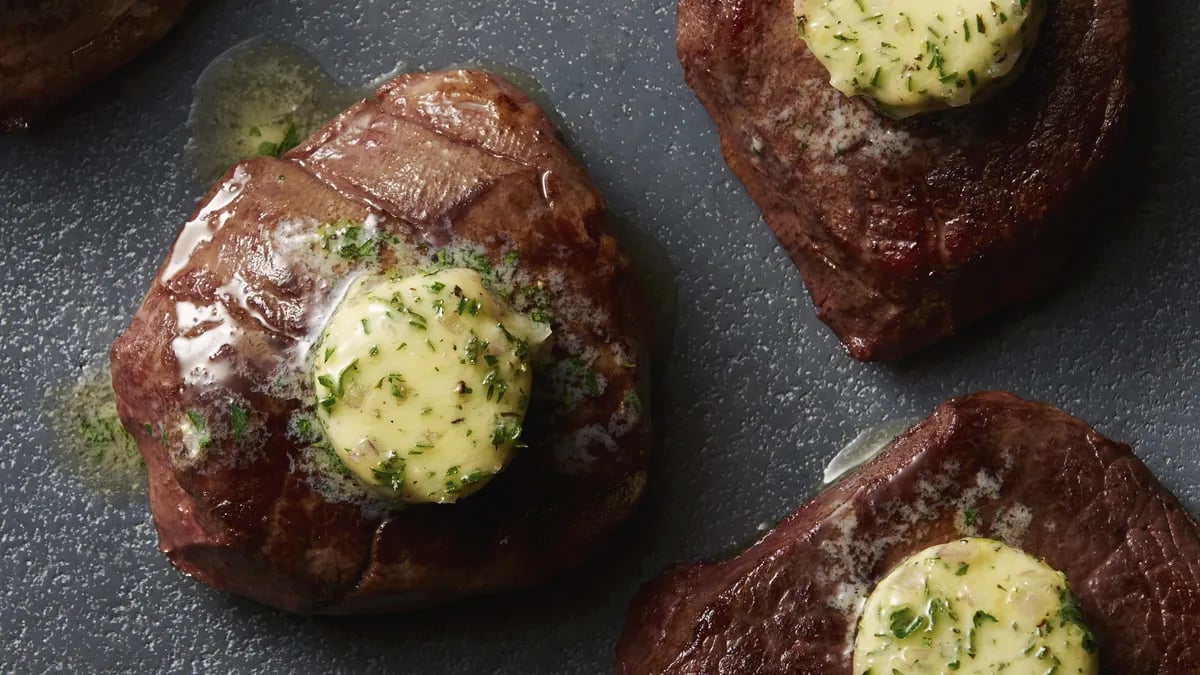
987 464
906 231
50 49
435 160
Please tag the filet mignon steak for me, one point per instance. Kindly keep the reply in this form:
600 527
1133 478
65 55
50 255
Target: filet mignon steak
437 162
985 465
50 49
906 231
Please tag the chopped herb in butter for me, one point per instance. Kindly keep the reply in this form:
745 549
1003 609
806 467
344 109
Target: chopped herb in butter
422 383
974 606
914 56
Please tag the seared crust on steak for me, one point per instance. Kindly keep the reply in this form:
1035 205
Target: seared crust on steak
1042 481
50 49
906 231
435 159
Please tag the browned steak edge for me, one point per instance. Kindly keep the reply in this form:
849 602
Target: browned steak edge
31 86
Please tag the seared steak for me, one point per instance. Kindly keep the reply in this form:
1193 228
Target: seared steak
453 161
50 49
906 231
987 464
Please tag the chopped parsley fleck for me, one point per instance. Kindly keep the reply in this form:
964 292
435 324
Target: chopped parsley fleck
632 401
507 429
395 383
201 426
467 305
473 349
476 476
306 430
349 240
327 403
238 420
100 432
495 385
291 138
905 622
1071 612
586 376
346 373
336 388
978 620
520 347
390 472
970 516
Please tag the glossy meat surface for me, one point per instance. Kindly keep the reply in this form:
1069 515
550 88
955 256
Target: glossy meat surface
435 160
50 49
987 464
905 232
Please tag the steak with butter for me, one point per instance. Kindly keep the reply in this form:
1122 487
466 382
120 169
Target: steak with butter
905 231
431 266
985 465
50 49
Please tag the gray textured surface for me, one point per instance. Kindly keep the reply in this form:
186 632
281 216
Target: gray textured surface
757 396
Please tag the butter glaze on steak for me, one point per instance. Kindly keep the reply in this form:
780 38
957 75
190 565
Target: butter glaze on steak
435 160
50 49
1042 481
905 232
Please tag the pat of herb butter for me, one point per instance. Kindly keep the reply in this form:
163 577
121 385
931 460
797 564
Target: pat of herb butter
914 56
422 383
973 606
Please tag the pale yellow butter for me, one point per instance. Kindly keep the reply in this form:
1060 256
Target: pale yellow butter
913 56
422 383
973 606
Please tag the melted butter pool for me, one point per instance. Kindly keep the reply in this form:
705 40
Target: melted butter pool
264 96
261 97
864 447
91 441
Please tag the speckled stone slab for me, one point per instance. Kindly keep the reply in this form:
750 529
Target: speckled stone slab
756 398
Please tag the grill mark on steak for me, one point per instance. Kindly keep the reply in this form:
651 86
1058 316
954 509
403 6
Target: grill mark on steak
1041 480
436 163
246 517
905 232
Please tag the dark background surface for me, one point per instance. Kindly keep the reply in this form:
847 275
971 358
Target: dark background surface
756 398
